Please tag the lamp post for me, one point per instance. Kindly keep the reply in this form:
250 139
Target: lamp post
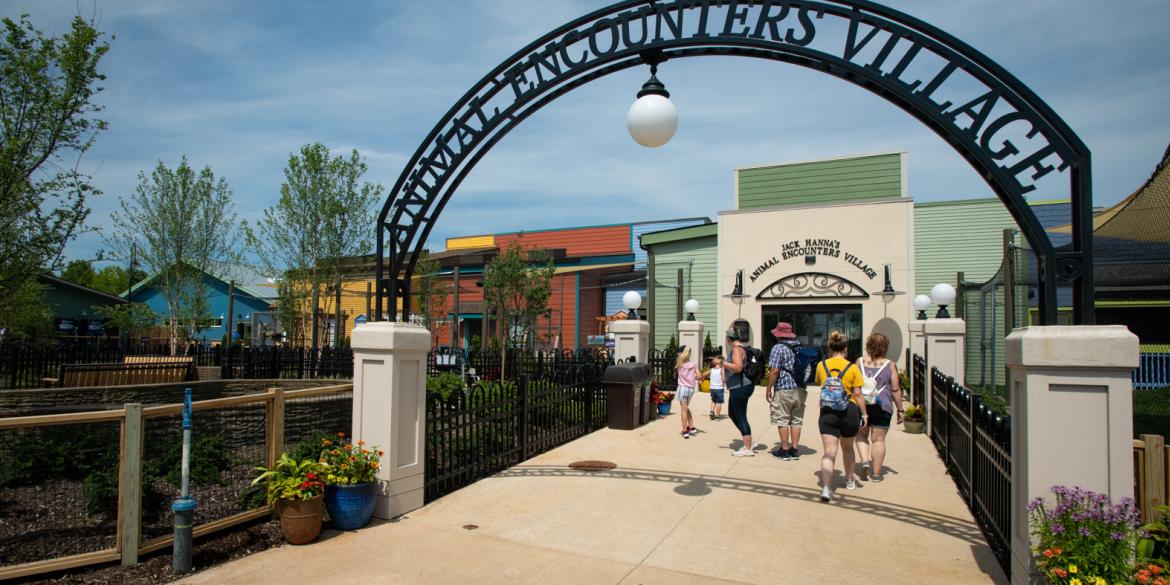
737 295
631 301
921 304
652 119
691 307
942 294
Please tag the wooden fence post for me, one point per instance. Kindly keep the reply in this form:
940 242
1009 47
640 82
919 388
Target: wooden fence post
1154 482
130 486
275 424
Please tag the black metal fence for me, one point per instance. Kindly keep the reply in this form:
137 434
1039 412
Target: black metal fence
918 382
662 366
975 443
25 366
473 434
489 366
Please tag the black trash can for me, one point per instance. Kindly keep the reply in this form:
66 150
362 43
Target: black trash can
624 395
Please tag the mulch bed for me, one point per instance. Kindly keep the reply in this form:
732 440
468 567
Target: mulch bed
209 551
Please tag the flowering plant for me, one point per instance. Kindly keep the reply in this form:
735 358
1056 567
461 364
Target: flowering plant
1084 539
914 414
348 463
290 479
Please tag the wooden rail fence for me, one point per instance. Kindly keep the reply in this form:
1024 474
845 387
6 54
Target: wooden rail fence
1151 464
132 421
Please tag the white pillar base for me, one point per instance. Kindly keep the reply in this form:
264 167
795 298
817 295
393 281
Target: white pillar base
631 339
389 402
690 334
945 341
1072 419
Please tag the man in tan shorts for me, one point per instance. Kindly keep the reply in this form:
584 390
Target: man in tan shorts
785 396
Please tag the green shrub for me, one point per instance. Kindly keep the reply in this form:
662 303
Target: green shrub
100 492
310 446
445 385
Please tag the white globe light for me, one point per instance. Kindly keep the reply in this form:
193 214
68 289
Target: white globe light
942 294
652 120
921 303
632 300
691 306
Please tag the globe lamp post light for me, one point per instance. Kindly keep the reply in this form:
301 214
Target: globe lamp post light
921 304
691 307
942 294
653 119
631 301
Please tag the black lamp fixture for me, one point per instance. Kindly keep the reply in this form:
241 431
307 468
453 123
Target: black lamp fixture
888 293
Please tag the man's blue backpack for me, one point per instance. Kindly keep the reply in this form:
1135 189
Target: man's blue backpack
802 359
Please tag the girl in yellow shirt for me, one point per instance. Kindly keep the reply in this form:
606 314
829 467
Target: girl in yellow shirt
840 427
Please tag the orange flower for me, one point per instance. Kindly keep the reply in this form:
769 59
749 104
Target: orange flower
1060 572
1155 569
1160 581
380 453
361 441
1048 552
374 465
1142 578
1057 550
327 442
336 452
342 435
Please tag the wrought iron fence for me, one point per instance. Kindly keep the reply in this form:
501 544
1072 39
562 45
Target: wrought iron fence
560 366
918 380
286 362
662 366
975 443
473 434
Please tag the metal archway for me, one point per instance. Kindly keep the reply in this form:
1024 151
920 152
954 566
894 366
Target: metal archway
1007 133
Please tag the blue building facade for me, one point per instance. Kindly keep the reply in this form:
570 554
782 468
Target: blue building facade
253 307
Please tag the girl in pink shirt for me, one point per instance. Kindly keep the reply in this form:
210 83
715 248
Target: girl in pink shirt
688 380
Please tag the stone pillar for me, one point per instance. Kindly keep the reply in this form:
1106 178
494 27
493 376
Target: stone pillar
946 350
1072 419
389 401
690 334
631 338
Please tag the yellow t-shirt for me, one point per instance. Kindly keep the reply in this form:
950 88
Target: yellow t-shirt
852 379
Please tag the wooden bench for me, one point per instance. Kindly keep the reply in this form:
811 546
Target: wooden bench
78 375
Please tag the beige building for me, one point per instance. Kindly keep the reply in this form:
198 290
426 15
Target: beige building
819 267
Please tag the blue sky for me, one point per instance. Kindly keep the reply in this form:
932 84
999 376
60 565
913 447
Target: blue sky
240 85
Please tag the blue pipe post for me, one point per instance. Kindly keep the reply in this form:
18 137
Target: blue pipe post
184 507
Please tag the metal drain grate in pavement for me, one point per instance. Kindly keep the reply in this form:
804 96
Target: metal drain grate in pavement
592 465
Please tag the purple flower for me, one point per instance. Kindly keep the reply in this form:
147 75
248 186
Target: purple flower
1084 531
1116 536
1057 528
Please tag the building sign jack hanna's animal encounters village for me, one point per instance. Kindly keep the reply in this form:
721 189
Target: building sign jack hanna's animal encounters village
813 247
1005 131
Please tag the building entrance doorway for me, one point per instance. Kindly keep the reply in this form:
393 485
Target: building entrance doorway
812 324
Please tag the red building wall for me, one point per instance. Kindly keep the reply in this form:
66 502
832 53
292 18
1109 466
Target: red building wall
590 241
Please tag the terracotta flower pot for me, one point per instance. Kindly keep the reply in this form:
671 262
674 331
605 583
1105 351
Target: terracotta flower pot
300 520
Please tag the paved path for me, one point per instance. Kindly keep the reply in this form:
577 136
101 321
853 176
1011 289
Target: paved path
673 512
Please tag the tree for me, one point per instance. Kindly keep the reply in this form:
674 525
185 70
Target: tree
518 284
183 227
113 279
429 291
79 272
49 121
322 220
129 319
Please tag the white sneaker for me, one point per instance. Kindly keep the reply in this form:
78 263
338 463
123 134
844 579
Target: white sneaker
826 494
865 469
850 485
744 453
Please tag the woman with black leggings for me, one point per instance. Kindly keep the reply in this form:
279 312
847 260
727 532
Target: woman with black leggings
738 386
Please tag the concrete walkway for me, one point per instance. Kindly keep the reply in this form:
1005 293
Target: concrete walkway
673 512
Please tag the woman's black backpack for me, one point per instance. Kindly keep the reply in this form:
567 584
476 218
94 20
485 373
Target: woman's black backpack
753 364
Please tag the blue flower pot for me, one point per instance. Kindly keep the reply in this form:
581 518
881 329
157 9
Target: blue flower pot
350 506
663 408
